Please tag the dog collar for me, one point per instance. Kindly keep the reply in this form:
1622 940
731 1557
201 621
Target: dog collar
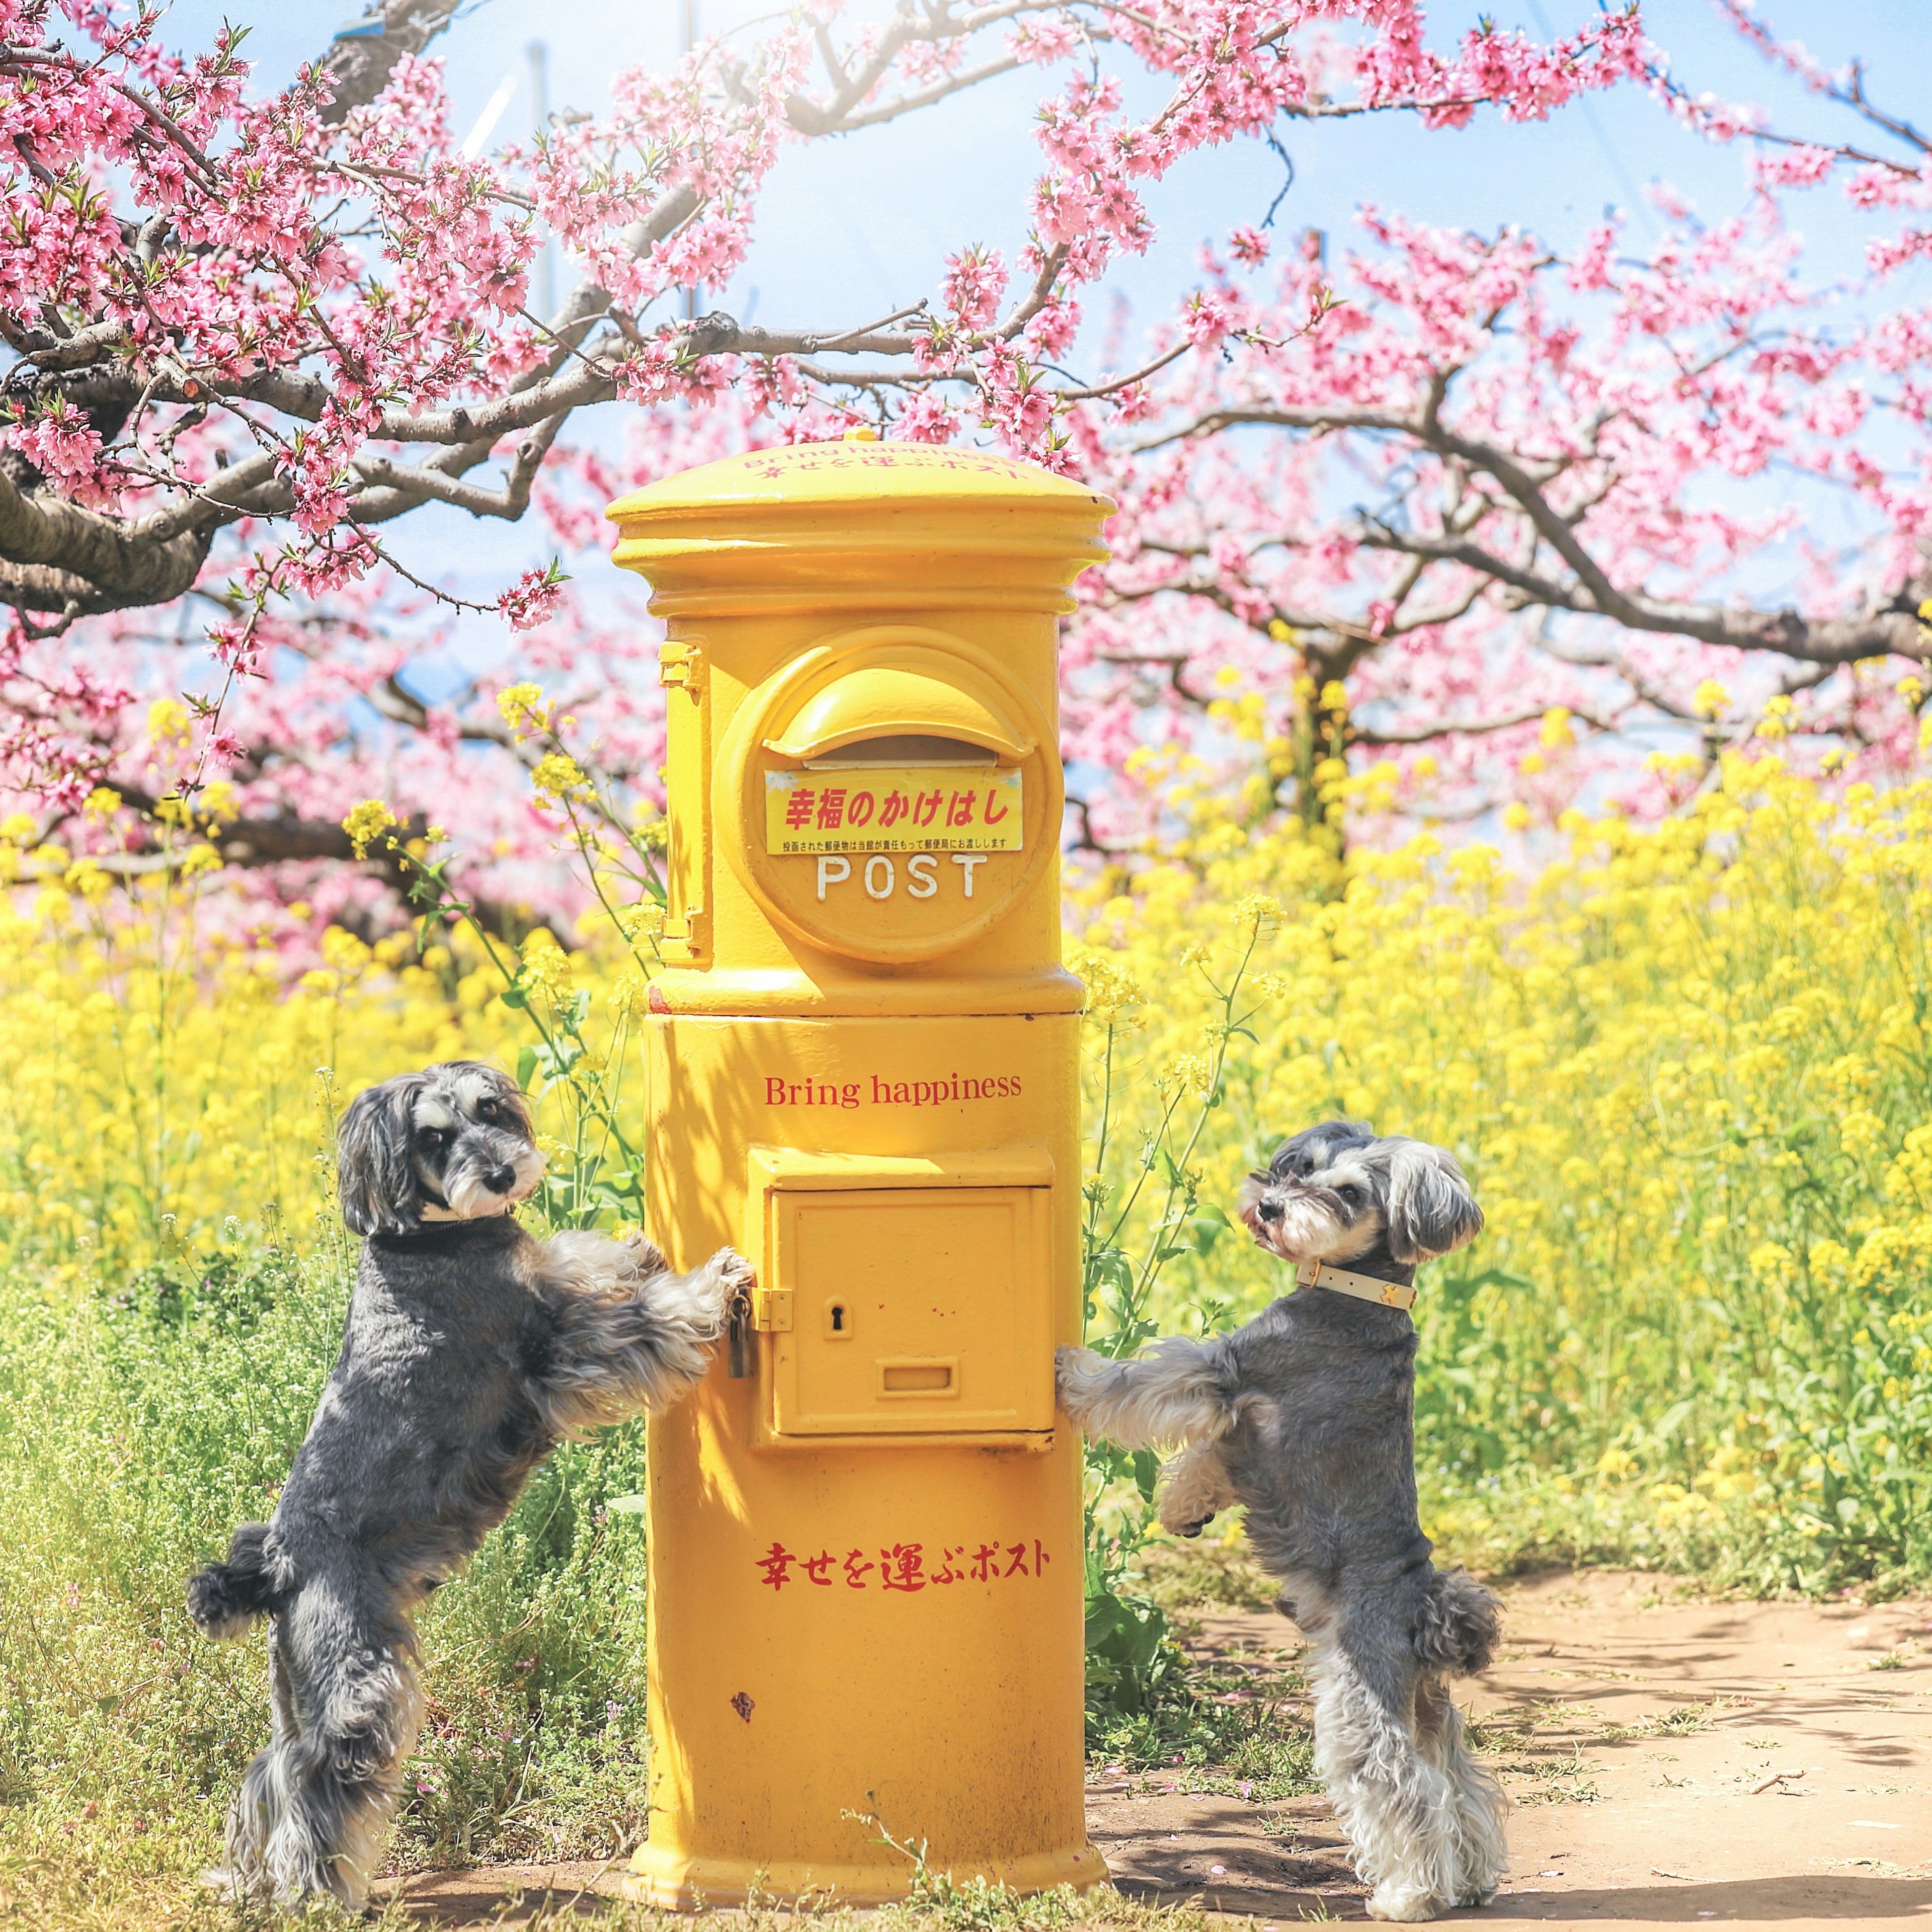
429 1211
1363 1287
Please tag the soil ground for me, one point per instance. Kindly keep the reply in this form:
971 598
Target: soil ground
1672 1762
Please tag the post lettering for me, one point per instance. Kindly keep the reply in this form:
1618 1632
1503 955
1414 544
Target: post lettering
921 875
879 863
965 861
832 872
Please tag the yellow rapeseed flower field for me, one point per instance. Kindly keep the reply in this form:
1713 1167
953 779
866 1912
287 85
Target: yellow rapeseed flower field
1686 1065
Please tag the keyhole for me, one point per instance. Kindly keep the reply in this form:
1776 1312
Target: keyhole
838 1319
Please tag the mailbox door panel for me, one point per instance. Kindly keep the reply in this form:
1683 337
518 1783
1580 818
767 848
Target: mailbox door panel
914 1312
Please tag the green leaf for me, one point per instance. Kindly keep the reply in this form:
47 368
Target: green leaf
1205 1227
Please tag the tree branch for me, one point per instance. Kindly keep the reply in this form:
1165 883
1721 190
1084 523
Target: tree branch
1893 629
360 61
55 556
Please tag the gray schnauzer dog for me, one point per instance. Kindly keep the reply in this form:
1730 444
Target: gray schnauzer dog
1307 1417
471 1351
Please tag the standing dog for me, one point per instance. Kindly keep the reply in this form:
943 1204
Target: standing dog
471 1351
1306 1416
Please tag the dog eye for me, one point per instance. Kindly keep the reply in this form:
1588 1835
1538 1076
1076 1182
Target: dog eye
431 1139
1351 1193
487 1110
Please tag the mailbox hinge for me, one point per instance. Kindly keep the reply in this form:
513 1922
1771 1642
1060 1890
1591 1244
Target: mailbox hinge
681 664
686 932
771 1310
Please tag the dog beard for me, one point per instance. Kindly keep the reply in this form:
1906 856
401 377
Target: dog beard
469 1199
1312 1226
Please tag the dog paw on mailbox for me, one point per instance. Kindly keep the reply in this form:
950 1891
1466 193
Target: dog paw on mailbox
645 1255
737 1278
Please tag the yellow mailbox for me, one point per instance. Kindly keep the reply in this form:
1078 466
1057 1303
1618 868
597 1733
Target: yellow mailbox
864 1564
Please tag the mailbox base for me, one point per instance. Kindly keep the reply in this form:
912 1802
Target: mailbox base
675 1881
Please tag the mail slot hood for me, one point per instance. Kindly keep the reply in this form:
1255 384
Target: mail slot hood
891 794
905 700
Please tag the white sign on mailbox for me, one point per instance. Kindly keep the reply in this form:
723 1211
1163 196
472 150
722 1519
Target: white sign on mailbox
917 809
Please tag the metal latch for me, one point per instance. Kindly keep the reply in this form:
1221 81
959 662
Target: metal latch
739 1351
765 1311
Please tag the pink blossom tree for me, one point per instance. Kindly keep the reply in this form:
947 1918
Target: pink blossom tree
252 336
1497 513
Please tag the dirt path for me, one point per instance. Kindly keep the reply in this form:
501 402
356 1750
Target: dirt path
1671 1762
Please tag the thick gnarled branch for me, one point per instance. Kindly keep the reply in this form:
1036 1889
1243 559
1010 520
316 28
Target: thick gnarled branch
1588 589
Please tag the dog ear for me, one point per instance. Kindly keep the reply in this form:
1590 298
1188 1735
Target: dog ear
375 1179
1430 1208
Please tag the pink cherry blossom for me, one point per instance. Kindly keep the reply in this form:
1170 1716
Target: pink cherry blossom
1469 506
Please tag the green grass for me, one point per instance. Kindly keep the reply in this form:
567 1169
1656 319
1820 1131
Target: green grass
138 1425
135 1430
42 1896
1227 1724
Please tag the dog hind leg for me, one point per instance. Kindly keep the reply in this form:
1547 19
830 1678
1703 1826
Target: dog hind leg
263 1797
1398 1810
1482 1852
309 1817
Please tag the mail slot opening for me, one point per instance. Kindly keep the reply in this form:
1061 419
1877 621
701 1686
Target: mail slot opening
916 1378
902 748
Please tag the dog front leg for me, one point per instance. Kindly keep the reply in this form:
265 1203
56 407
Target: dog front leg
1194 1488
1180 1391
620 1338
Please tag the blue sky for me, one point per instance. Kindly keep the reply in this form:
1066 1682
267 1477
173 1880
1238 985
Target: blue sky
850 229
862 224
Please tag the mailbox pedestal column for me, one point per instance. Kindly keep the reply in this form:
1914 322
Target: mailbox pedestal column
865 1562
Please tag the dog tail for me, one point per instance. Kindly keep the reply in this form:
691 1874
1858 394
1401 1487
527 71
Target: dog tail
225 1598
1459 1626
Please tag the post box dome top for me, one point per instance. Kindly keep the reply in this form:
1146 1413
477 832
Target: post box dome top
858 524
854 472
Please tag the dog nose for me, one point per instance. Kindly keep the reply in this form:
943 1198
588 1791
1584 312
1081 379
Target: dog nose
1270 1211
500 1180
